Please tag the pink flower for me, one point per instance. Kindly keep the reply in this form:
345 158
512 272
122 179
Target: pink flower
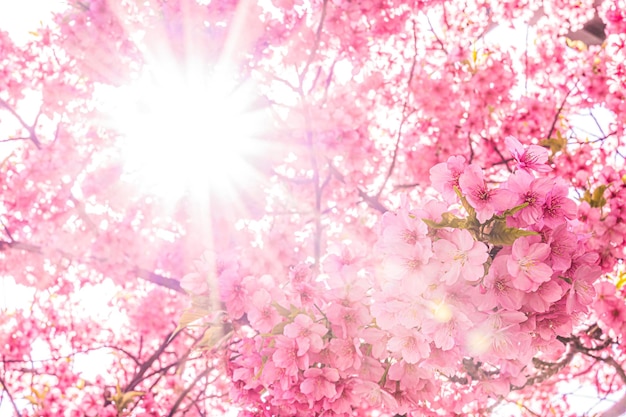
610 308
461 256
526 266
499 287
562 243
286 356
485 201
547 294
233 292
500 335
346 320
412 265
558 206
261 314
582 292
529 190
407 374
410 343
403 230
346 353
195 282
445 176
319 383
374 395
528 158
447 325
307 334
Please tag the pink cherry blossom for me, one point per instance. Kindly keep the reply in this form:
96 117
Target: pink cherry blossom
499 287
531 191
528 158
461 256
548 293
410 344
486 201
558 206
445 176
526 264
262 315
319 383
307 334
582 292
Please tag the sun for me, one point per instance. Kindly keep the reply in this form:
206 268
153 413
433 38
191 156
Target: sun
187 134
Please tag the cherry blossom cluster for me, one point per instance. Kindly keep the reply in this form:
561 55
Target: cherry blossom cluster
462 294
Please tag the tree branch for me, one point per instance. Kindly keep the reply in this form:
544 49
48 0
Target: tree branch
183 394
404 114
558 113
373 202
147 364
318 37
171 283
11 400
30 129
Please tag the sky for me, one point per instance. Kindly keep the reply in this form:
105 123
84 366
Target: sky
22 17
19 17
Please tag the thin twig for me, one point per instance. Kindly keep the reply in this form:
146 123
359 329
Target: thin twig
11 400
183 394
373 202
318 37
432 29
171 283
404 114
558 113
147 364
29 129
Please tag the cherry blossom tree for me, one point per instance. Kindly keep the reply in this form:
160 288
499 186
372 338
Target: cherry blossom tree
321 207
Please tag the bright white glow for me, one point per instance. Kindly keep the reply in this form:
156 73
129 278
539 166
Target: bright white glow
21 19
185 134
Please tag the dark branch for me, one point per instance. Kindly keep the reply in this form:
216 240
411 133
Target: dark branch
30 129
11 400
558 113
144 274
405 115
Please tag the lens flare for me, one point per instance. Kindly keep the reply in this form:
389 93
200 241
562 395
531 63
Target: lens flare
183 134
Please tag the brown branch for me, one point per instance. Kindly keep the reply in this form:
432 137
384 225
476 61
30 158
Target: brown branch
187 390
144 274
318 37
558 113
15 139
11 400
171 283
432 29
404 186
619 408
65 357
30 129
373 202
147 364
405 115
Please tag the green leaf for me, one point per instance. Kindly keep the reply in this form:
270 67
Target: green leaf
123 399
200 308
621 280
596 199
282 310
513 210
500 234
470 210
447 220
555 144
211 336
